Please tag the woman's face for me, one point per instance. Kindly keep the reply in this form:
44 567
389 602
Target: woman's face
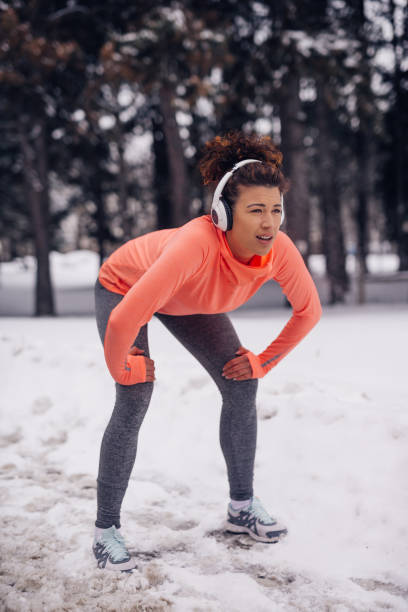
257 212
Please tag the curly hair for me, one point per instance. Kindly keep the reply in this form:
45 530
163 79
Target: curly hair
221 153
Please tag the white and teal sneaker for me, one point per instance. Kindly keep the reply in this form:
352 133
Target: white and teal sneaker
255 521
110 551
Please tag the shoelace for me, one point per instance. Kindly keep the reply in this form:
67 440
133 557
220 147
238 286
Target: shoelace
115 545
260 512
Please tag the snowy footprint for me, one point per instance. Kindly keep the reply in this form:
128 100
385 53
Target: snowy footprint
41 405
12 438
81 486
377 585
234 540
60 438
40 504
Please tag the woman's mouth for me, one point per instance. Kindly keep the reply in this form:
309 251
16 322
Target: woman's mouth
265 238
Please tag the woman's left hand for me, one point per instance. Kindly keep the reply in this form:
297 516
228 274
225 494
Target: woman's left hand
238 368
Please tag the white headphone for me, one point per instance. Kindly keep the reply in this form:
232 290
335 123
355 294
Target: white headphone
221 212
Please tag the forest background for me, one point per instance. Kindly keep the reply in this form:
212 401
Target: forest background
105 108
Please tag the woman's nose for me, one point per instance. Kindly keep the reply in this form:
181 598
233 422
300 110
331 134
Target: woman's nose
269 221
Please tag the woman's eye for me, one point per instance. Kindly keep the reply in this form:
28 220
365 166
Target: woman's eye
276 211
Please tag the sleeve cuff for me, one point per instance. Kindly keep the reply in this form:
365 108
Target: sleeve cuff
256 367
133 372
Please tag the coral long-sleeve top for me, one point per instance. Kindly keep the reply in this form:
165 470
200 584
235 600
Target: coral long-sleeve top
191 270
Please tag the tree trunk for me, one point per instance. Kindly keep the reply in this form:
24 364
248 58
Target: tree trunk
178 184
37 193
126 221
363 189
161 171
297 209
363 151
333 242
100 218
398 140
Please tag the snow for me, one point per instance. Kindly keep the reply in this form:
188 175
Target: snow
331 464
73 269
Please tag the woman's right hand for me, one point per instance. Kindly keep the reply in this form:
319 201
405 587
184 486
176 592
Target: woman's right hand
149 363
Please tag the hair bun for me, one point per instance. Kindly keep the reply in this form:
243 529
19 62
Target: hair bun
222 152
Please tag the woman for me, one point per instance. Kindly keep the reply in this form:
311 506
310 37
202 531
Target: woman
189 277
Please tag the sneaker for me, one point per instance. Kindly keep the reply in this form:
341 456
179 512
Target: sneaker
255 521
111 553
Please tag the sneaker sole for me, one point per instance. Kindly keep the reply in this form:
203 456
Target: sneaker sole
240 529
117 570
127 566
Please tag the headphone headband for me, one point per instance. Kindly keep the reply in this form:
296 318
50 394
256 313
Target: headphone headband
227 175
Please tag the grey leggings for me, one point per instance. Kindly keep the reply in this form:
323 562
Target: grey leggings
212 339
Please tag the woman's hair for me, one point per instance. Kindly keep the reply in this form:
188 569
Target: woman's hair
221 153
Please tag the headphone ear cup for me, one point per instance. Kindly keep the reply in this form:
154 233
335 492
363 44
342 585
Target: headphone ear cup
218 215
228 212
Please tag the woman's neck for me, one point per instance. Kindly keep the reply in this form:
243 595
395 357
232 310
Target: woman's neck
242 259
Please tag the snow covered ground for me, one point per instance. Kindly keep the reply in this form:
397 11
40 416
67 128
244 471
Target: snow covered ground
332 459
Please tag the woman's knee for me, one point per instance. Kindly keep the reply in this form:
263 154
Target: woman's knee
134 397
243 390
131 404
137 394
